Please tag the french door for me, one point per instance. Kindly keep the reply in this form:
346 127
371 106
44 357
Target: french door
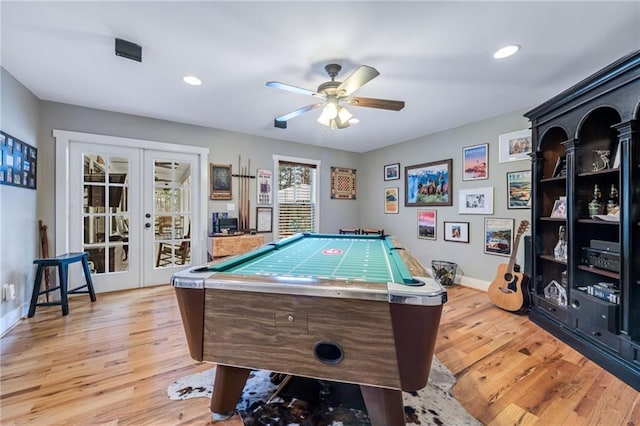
135 211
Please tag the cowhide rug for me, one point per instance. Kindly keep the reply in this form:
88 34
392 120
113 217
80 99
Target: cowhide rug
299 403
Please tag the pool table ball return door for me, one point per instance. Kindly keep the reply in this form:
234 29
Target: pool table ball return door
380 335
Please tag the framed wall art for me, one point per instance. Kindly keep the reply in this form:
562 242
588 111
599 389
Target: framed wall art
519 189
427 224
475 201
343 183
476 162
18 161
515 146
392 171
498 236
220 176
428 184
264 219
264 180
456 231
391 201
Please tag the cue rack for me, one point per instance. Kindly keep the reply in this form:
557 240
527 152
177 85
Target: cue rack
244 193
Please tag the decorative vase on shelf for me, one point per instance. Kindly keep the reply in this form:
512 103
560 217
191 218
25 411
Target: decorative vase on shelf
560 250
612 203
595 206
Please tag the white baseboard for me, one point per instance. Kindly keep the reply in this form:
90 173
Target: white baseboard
11 319
470 282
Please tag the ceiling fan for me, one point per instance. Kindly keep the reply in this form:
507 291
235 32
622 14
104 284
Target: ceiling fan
335 95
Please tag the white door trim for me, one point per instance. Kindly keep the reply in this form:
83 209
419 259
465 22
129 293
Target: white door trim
62 140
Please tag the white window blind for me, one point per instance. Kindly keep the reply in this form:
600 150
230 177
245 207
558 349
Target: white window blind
296 198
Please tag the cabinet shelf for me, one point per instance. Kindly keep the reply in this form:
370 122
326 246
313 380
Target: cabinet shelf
597 222
598 173
553 219
550 258
554 179
603 272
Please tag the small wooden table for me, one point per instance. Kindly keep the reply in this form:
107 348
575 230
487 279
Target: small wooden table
230 245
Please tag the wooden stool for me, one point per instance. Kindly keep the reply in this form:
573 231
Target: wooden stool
369 231
62 263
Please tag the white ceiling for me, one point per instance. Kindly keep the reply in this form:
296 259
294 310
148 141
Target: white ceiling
435 56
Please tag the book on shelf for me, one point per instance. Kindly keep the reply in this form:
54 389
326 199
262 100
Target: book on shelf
608 294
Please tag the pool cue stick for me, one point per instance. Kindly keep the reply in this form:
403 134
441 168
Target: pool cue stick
239 192
249 193
279 388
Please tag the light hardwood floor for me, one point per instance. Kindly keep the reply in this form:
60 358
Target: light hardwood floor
110 363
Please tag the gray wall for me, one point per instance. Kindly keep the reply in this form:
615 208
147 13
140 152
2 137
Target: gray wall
224 148
19 238
478 268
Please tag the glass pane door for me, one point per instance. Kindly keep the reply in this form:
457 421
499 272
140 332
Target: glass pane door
105 212
172 213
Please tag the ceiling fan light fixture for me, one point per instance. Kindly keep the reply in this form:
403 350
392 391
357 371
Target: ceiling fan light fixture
344 115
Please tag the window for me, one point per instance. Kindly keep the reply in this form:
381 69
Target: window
297 200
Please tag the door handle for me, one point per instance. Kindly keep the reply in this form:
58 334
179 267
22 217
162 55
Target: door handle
148 215
147 225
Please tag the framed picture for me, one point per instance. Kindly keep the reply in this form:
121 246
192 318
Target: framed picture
428 184
391 202
18 161
498 236
343 183
456 231
392 171
220 176
560 208
264 219
519 189
476 162
476 200
427 224
264 180
515 146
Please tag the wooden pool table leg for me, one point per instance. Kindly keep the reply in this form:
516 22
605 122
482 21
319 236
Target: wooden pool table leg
384 406
227 389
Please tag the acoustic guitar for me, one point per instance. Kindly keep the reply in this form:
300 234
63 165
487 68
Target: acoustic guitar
509 288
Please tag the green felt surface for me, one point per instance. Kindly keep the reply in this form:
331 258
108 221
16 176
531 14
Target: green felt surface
354 258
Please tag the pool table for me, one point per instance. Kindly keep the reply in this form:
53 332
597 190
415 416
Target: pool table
347 308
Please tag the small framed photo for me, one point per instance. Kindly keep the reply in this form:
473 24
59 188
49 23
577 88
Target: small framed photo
427 224
264 182
519 189
264 219
392 171
476 200
498 236
391 201
456 231
515 146
560 208
428 184
220 176
476 162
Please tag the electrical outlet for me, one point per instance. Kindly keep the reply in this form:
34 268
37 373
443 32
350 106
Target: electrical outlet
12 291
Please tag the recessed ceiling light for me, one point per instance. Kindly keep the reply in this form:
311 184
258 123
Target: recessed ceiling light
506 51
192 80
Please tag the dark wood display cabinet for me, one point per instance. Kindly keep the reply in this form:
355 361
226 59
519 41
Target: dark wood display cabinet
585 286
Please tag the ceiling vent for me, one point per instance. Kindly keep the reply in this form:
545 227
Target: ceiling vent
128 50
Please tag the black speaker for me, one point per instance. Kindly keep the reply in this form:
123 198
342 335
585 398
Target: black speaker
128 50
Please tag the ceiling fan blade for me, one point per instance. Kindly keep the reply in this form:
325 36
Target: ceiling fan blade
376 103
357 79
281 122
290 88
